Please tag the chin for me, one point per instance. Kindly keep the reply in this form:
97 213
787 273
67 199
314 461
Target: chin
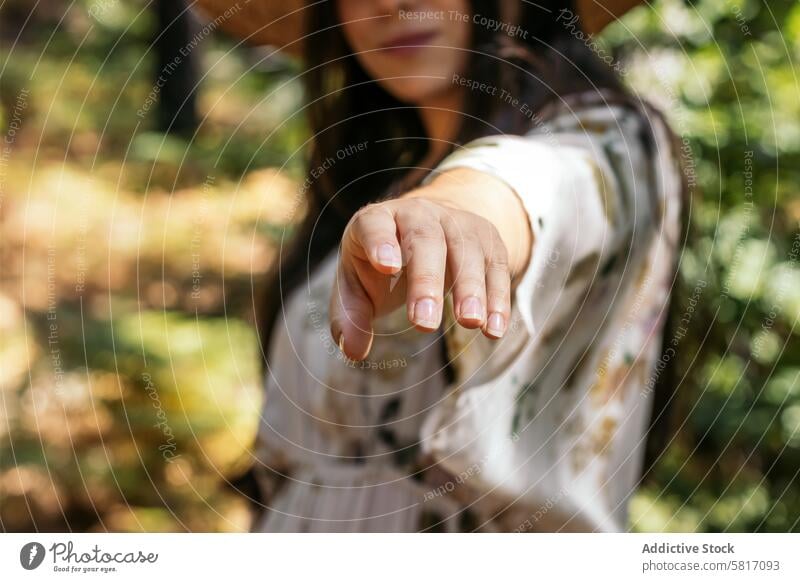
415 92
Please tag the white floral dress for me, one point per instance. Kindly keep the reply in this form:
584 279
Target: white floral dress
543 430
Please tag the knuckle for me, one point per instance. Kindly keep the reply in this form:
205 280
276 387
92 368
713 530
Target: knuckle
361 215
496 234
498 260
492 236
426 232
467 282
367 223
429 207
498 296
489 230
468 238
427 277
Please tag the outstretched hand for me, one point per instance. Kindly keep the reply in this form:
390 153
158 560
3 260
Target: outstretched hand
415 249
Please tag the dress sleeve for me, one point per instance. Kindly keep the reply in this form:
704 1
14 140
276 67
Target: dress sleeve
524 417
579 195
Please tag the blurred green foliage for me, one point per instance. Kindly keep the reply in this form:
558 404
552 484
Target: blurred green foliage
724 72
130 260
130 369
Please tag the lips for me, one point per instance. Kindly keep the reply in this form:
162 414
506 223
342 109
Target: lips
411 43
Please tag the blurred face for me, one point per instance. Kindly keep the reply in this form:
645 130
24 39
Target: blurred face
412 47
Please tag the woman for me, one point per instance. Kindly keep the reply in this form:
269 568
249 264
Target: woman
466 331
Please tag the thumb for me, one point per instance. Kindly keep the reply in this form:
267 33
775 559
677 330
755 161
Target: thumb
351 313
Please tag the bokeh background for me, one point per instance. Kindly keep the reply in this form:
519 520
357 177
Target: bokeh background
137 222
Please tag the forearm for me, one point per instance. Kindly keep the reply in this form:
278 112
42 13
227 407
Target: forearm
482 194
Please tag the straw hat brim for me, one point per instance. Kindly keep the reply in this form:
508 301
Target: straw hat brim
269 22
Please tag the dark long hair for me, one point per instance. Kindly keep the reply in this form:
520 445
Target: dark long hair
346 106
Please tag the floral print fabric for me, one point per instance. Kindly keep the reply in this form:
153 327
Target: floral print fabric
543 430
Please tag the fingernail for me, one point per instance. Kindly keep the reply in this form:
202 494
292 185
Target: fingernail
471 308
388 255
344 357
425 313
496 325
